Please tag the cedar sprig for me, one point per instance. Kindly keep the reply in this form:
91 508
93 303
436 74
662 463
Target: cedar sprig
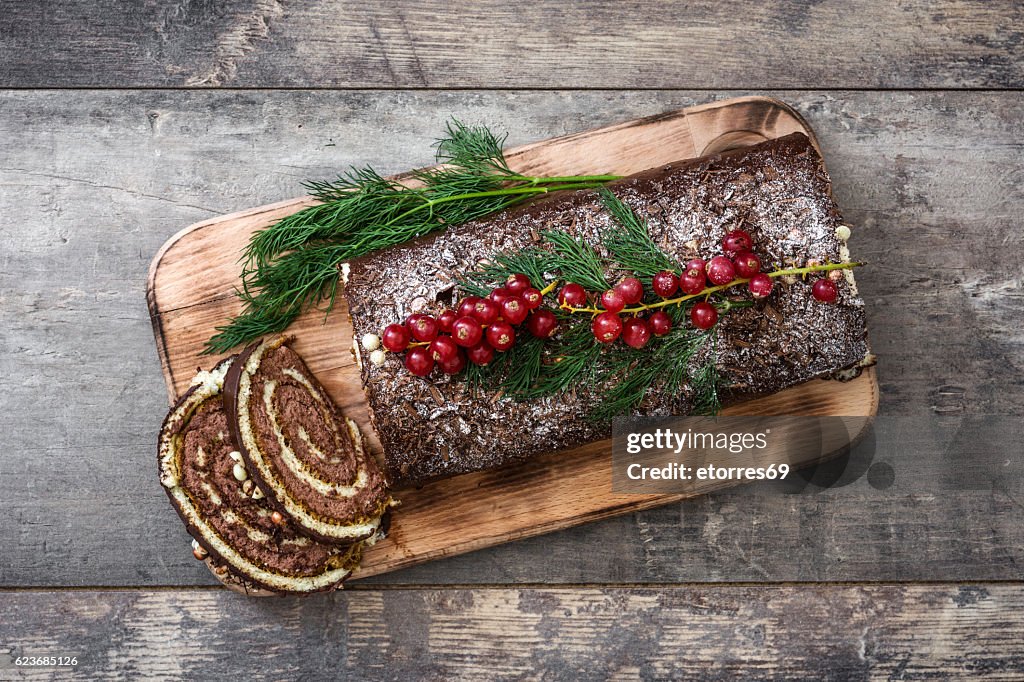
622 377
577 261
631 245
293 264
533 262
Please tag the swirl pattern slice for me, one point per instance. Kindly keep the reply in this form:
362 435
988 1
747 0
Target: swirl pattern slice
307 459
201 472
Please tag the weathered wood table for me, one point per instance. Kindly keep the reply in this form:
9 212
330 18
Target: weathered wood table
123 123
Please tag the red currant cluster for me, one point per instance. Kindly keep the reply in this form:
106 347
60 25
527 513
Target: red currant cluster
738 265
473 331
607 326
478 327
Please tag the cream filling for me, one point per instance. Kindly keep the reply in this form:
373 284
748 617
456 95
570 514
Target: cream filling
209 383
295 511
214 497
299 468
844 256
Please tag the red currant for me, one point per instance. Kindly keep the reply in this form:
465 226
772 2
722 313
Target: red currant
631 289
517 283
501 336
692 284
613 301
542 323
423 327
661 323
395 337
532 297
573 295
825 291
500 295
665 283
514 310
419 361
467 306
446 319
606 327
481 354
760 285
443 349
636 332
721 270
747 264
736 241
467 332
486 311
696 267
703 315
455 365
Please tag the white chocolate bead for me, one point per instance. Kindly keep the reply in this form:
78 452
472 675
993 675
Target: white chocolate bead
239 472
843 232
235 455
370 342
377 357
257 494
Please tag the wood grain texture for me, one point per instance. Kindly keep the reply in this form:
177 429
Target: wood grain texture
557 491
100 179
493 44
708 633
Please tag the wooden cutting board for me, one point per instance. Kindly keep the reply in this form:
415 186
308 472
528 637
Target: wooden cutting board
193 277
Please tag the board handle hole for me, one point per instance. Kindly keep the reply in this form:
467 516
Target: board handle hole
734 139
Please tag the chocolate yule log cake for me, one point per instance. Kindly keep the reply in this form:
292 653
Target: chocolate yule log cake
247 543
308 460
776 193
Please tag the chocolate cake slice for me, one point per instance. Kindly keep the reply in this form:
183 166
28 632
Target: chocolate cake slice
246 542
307 459
778 191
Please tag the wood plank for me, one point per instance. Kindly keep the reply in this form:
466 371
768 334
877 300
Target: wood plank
488 44
685 632
109 176
554 492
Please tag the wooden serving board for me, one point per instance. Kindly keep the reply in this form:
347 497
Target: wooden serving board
193 277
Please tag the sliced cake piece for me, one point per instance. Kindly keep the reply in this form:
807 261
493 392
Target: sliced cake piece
243 538
307 459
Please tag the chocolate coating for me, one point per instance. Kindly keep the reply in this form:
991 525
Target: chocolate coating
778 191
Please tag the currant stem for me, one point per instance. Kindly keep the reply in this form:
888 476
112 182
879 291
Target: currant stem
549 288
707 291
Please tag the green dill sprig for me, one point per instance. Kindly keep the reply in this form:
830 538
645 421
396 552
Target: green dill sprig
292 265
